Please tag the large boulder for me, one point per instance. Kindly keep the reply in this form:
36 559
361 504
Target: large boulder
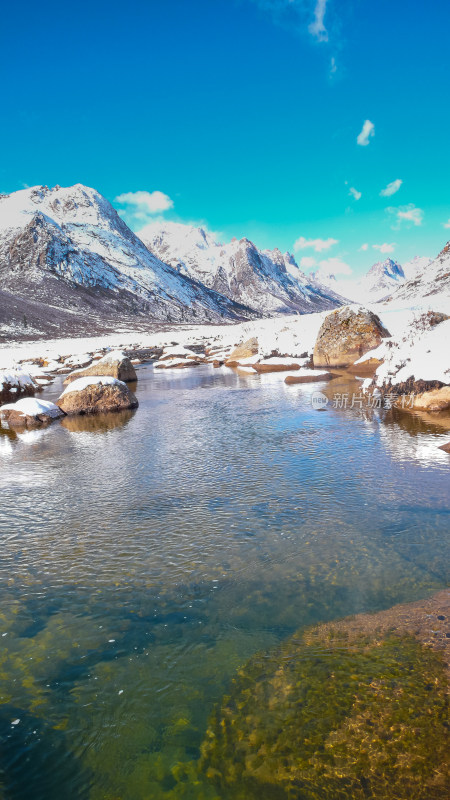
242 351
30 413
115 364
95 395
15 383
345 335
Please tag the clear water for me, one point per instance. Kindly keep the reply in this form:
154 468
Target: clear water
145 556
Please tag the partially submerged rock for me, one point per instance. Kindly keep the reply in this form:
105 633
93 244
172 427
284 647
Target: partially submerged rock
352 709
277 365
14 384
345 335
95 395
30 413
309 376
436 400
243 350
115 364
445 448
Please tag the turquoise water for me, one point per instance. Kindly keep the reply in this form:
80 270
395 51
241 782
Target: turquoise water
147 555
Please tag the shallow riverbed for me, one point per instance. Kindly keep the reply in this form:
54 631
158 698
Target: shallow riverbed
147 555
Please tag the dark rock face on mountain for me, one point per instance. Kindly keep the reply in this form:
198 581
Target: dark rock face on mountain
266 280
69 263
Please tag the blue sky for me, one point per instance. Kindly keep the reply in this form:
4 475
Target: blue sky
243 115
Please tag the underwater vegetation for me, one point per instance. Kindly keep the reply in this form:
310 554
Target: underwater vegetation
351 710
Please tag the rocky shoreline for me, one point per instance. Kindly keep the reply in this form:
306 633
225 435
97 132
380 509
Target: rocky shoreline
307 349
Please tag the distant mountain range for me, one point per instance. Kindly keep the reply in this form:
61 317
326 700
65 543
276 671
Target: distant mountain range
382 279
69 265
266 280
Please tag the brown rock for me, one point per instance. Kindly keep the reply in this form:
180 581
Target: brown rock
445 448
367 368
315 376
96 398
244 350
275 367
30 413
345 335
115 365
436 400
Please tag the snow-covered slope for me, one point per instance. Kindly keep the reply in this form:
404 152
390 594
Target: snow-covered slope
67 248
430 282
379 282
266 280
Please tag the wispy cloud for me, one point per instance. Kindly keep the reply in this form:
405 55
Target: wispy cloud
334 266
391 188
446 224
367 131
333 66
317 27
410 214
386 247
307 262
141 206
364 246
354 193
299 15
317 244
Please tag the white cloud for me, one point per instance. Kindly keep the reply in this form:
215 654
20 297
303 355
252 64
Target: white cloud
333 66
142 205
364 246
446 224
317 28
409 214
391 188
367 131
354 193
385 247
334 266
317 244
307 262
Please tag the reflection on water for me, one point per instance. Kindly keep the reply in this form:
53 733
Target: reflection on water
147 555
97 423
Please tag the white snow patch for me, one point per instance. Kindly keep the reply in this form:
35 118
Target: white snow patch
91 380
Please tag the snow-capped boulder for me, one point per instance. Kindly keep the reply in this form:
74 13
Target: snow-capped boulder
30 413
345 335
14 384
116 364
94 395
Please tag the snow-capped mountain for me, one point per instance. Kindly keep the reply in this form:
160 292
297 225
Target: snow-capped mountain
415 265
379 282
266 280
66 251
431 280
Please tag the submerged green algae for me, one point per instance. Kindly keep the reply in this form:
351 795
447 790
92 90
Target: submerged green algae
334 715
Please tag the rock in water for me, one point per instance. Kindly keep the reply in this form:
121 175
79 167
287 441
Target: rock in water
115 364
346 710
30 413
96 395
309 376
345 335
15 383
